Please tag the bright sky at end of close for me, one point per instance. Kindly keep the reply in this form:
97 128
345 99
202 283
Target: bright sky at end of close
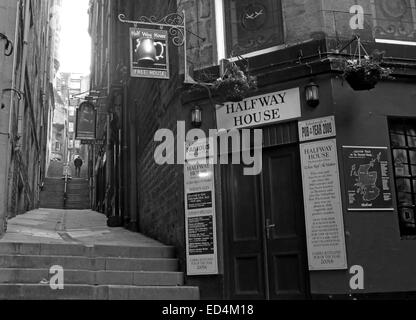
75 42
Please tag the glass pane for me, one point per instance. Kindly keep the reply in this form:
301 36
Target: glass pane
253 25
412 155
400 157
402 170
405 198
403 185
398 140
411 141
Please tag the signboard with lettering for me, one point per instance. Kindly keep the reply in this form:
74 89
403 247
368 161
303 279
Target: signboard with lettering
316 129
323 206
86 122
93 142
260 110
200 217
149 53
367 179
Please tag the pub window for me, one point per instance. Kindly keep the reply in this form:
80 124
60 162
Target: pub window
252 26
403 145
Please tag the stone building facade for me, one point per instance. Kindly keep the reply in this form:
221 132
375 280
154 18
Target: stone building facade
265 239
27 103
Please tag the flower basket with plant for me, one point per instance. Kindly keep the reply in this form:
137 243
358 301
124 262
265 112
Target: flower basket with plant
235 84
364 73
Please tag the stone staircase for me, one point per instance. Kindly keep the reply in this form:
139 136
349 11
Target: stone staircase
100 272
52 195
78 195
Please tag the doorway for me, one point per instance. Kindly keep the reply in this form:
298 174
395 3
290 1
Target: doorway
265 239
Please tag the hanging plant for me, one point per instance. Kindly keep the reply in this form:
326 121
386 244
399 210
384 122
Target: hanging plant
365 73
235 84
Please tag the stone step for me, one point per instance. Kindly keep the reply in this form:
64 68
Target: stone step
87 251
89 264
88 292
144 278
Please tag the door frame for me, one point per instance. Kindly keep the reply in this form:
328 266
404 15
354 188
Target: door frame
226 203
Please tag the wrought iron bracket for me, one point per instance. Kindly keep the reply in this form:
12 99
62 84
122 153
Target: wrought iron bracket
176 25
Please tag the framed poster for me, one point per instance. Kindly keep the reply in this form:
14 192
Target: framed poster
200 216
86 122
149 53
367 179
323 206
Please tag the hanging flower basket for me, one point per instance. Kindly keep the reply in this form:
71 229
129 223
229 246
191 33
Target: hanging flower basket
364 75
235 85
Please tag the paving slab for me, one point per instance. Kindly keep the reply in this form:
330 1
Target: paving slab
85 227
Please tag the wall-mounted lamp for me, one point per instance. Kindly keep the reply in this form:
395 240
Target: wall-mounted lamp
312 94
196 117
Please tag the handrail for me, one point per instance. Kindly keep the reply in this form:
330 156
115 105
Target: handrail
66 178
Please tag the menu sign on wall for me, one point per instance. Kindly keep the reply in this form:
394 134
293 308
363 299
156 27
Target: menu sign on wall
200 219
367 178
323 206
260 110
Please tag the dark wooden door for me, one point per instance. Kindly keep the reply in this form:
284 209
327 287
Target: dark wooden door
285 236
261 262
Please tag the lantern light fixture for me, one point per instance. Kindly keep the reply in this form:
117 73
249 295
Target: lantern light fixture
312 94
197 117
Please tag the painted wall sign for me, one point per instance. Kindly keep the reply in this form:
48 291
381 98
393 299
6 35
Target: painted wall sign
93 142
316 129
260 110
86 122
367 178
200 217
149 53
323 206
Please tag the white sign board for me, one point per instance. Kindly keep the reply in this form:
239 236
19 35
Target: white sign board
260 110
316 129
323 206
200 218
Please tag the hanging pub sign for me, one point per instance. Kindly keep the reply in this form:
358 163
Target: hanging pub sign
367 179
86 122
149 53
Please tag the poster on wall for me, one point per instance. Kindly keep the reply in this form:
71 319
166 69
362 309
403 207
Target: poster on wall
323 206
367 179
149 53
200 218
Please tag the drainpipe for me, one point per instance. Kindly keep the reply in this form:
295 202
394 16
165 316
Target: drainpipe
23 71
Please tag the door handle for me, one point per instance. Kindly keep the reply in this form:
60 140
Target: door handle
269 226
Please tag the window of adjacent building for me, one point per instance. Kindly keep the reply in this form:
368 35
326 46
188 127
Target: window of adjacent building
250 26
71 127
57 146
403 145
71 111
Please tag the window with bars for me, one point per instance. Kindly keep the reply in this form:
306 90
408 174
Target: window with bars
403 145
